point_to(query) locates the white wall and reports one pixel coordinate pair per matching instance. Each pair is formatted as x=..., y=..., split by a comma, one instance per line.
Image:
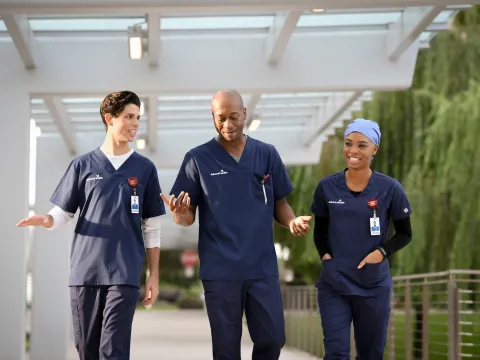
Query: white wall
x=51, y=314
x=15, y=125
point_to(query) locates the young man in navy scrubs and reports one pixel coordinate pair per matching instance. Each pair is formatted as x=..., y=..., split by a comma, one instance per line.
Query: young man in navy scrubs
x=239, y=185
x=352, y=210
x=117, y=193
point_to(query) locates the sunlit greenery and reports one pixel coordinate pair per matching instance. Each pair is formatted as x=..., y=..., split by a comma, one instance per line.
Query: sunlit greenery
x=429, y=144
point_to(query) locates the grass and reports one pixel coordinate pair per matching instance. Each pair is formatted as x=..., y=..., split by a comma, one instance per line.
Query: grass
x=305, y=333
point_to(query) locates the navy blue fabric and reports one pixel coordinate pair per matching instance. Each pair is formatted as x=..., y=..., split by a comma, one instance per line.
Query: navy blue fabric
x=108, y=247
x=235, y=224
x=349, y=235
x=102, y=320
x=370, y=317
x=261, y=299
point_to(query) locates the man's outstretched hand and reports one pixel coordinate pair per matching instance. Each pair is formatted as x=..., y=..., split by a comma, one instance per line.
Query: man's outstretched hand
x=299, y=226
x=37, y=220
x=179, y=206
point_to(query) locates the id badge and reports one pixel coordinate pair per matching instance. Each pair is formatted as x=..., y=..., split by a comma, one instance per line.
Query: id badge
x=374, y=226
x=134, y=205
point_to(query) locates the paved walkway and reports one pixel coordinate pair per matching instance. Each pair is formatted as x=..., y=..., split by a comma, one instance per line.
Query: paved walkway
x=181, y=335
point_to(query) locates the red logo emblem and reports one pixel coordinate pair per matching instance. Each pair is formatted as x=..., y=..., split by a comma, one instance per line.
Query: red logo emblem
x=372, y=204
x=133, y=181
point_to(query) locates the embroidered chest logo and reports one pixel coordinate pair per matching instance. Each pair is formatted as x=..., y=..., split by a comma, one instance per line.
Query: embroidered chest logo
x=340, y=201
x=221, y=172
x=96, y=177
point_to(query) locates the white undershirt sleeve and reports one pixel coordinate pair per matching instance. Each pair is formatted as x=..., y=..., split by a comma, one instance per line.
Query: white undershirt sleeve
x=151, y=232
x=60, y=217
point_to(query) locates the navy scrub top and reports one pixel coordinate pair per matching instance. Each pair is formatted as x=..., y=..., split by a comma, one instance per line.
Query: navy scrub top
x=108, y=247
x=349, y=238
x=235, y=221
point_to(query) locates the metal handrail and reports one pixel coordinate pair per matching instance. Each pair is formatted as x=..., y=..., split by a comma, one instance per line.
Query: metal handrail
x=434, y=316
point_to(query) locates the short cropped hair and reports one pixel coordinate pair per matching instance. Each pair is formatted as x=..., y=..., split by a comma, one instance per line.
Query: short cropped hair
x=114, y=103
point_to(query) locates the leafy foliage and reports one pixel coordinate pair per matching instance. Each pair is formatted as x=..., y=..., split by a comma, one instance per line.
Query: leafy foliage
x=429, y=135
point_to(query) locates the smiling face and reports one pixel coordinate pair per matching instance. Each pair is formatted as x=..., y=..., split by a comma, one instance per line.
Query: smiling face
x=358, y=150
x=124, y=127
x=120, y=113
x=229, y=115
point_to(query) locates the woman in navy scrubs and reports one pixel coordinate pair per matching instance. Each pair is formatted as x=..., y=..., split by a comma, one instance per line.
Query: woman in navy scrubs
x=352, y=210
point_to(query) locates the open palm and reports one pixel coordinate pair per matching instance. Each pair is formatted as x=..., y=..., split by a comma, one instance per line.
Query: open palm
x=36, y=220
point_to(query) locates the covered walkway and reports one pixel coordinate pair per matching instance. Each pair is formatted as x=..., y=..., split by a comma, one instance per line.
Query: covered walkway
x=180, y=335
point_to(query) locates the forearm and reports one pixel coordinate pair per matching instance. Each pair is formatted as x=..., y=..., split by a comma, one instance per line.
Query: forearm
x=59, y=218
x=283, y=213
x=396, y=243
x=186, y=219
x=401, y=238
x=320, y=236
x=153, y=258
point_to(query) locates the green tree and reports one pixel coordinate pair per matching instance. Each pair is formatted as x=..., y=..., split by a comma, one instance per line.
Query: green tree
x=428, y=144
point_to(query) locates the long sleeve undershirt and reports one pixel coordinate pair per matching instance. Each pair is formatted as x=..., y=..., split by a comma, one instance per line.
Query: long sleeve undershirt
x=150, y=227
x=401, y=238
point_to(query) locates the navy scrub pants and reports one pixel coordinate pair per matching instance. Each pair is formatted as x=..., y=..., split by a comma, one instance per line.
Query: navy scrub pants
x=102, y=321
x=261, y=300
x=370, y=321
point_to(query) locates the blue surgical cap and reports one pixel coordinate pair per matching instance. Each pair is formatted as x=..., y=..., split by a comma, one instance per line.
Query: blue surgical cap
x=368, y=128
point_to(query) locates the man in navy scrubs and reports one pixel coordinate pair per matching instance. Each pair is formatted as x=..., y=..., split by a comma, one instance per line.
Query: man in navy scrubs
x=352, y=210
x=239, y=186
x=116, y=192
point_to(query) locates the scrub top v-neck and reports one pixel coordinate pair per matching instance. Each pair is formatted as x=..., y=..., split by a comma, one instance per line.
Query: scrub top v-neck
x=349, y=235
x=108, y=246
x=235, y=207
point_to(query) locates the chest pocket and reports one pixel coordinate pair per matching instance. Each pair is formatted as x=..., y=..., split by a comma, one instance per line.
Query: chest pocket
x=262, y=192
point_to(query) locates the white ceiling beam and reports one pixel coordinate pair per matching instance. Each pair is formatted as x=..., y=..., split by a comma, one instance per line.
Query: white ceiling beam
x=152, y=123
x=406, y=31
x=170, y=152
x=62, y=122
x=187, y=107
x=23, y=38
x=180, y=129
x=330, y=112
x=141, y=7
x=153, y=35
x=279, y=34
x=251, y=106
x=319, y=68
x=169, y=122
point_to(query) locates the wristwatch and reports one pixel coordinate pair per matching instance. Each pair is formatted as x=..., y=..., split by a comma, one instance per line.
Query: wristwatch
x=382, y=250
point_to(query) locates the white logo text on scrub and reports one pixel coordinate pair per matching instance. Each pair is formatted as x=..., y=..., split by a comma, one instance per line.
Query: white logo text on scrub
x=221, y=172
x=98, y=177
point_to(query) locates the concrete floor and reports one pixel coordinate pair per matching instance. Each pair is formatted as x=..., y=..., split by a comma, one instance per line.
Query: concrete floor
x=180, y=335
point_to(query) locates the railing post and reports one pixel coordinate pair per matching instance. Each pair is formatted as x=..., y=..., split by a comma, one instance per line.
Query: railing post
x=408, y=321
x=425, y=322
x=312, y=315
x=298, y=325
x=453, y=320
x=391, y=329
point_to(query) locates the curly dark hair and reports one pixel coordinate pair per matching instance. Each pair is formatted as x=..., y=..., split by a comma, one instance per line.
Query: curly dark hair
x=115, y=103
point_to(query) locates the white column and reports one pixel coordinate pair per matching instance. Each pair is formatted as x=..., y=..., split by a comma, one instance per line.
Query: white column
x=15, y=125
x=51, y=314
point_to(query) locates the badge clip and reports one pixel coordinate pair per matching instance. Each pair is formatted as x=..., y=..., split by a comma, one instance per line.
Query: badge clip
x=134, y=205
x=374, y=221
